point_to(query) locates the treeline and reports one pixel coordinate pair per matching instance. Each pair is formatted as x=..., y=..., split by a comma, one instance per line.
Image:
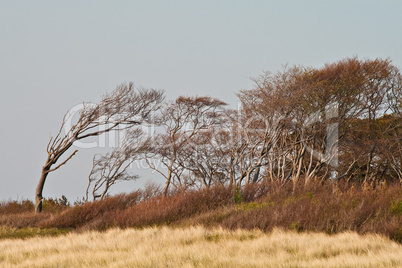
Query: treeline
x=341, y=122
x=338, y=122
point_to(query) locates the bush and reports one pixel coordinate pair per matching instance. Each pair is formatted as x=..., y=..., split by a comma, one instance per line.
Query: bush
x=321, y=206
x=14, y=207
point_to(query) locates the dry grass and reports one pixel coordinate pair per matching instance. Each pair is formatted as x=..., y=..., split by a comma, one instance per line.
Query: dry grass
x=200, y=247
x=15, y=233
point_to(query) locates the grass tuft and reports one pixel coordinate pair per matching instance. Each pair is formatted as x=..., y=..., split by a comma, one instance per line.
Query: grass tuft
x=24, y=233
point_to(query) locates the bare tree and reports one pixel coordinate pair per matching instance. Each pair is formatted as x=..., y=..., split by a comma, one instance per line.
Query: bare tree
x=182, y=120
x=361, y=139
x=123, y=108
x=205, y=159
x=111, y=168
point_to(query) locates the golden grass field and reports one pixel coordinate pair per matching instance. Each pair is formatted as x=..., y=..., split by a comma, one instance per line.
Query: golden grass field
x=200, y=247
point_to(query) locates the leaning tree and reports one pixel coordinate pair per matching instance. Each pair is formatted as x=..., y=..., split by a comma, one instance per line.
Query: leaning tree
x=181, y=121
x=121, y=109
x=113, y=167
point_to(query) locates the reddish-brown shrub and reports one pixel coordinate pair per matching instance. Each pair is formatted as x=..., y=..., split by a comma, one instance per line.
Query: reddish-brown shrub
x=81, y=215
x=14, y=207
x=320, y=206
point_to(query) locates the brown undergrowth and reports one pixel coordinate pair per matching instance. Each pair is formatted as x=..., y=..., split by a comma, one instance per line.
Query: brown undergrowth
x=320, y=207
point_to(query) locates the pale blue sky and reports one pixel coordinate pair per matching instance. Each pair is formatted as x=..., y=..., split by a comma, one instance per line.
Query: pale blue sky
x=56, y=54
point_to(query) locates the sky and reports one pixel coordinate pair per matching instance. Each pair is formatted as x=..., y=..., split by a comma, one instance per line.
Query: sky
x=56, y=54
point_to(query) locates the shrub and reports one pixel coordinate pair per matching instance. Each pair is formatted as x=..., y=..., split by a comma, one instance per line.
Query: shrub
x=321, y=206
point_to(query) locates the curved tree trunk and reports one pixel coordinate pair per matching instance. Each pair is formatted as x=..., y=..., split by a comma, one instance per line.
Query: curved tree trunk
x=167, y=183
x=121, y=107
x=39, y=190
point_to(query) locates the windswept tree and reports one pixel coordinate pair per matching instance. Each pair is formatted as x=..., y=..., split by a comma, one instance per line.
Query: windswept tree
x=204, y=159
x=270, y=116
x=182, y=120
x=339, y=121
x=114, y=166
x=366, y=94
x=121, y=109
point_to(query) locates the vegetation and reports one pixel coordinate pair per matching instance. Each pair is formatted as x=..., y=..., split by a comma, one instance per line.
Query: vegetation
x=124, y=108
x=200, y=247
x=341, y=122
x=23, y=233
x=320, y=207
x=310, y=150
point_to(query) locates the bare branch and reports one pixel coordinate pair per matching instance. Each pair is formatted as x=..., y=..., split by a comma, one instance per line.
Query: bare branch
x=65, y=161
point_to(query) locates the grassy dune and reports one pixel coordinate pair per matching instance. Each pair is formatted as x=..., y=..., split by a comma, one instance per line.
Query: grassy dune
x=200, y=247
x=327, y=208
x=364, y=223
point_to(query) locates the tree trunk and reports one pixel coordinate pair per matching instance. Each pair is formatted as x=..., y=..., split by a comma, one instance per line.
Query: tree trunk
x=232, y=178
x=169, y=178
x=256, y=174
x=39, y=190
x=166, y=189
